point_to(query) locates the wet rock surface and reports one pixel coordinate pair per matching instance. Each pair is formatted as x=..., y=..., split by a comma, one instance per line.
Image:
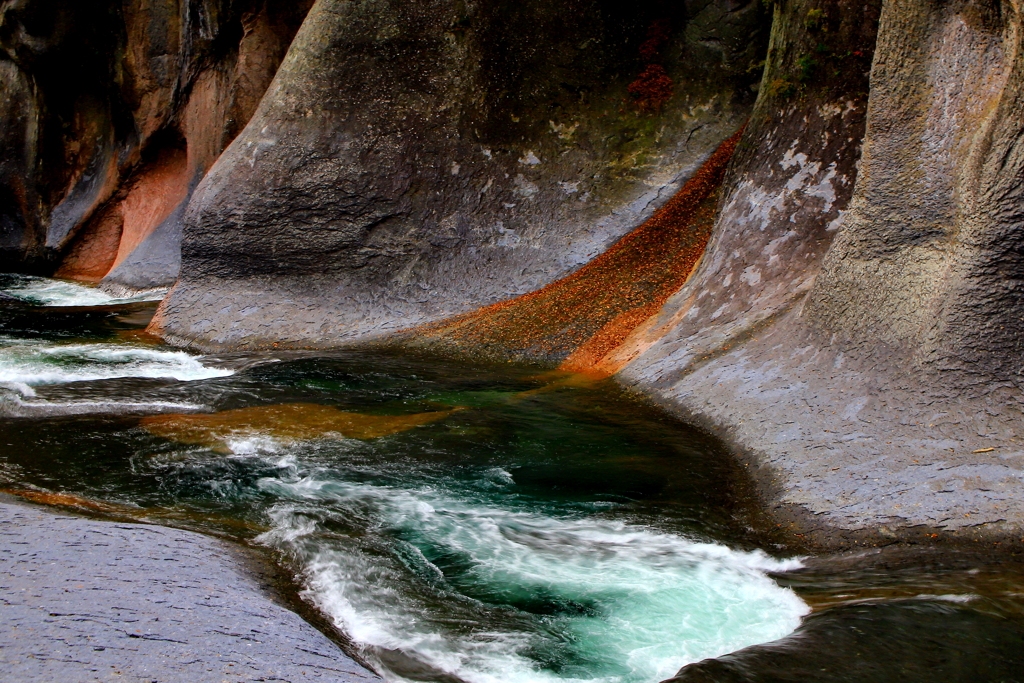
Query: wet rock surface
x=85, y=600
x=856, y=441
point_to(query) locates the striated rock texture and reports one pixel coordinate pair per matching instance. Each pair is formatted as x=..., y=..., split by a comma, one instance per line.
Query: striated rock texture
x=111, y=113
x=87, y=601
x=415, y=161
x=931, y=255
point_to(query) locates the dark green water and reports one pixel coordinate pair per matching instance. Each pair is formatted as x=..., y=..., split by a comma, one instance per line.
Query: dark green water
x=544, y=531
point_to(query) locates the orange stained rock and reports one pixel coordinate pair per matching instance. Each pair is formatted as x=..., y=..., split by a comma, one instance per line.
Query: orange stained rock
x=66, y=500
x=155, y=194
x=94, y=249
x=118, y=229
x=289, y=422
x=140, y=337
x=583, y=317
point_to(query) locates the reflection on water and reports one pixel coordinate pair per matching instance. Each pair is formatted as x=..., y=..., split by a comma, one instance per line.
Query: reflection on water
x=477, y=523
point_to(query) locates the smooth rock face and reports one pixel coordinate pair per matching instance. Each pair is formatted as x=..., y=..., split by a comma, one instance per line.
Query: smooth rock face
x=415, y=161
x=83, y=600
x=879, y=390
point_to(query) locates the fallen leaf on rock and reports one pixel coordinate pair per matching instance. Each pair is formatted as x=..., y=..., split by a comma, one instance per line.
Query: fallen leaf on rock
x=289, y=422
x=983, y=450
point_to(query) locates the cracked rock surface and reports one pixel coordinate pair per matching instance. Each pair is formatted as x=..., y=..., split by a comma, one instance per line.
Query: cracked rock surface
x=85, y=600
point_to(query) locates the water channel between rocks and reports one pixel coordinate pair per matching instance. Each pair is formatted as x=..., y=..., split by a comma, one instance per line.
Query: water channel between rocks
x=474, y=523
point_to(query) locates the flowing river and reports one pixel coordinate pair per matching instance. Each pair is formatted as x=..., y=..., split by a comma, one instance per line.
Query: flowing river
x=472, y=523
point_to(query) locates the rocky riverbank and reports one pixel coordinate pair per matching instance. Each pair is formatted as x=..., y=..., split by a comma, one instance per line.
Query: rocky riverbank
x=87, y=600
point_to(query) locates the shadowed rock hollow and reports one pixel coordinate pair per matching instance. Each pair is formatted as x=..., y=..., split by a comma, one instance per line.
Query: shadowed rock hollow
x=112, y=113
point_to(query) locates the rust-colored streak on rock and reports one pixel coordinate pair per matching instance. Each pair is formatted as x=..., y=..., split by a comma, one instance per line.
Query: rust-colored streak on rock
x=157, y=191
x=287, y=422
x=581, y=318
x=95, y=247
x=66, y=500
x=126, y=221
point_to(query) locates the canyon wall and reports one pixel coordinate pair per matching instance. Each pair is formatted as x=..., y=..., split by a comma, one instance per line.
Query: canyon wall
x=111, y=114
x=797, y=222
x=848, y=321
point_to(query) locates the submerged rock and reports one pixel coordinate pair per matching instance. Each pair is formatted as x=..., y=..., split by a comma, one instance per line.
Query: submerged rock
x=911, y=640
x=287, y=422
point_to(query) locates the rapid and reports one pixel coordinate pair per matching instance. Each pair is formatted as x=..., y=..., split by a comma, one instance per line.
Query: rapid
x=455, y=522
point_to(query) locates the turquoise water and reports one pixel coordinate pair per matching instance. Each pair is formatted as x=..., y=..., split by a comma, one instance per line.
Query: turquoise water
x=542, y=532
x=456, y=522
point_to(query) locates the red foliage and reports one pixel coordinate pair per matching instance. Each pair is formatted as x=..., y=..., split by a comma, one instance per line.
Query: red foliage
x=657, y=35
x=652, y=88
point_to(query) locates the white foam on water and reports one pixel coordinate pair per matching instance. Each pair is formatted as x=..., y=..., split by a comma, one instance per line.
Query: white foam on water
x=35, y=362
x=246, y=444
x=955, y=598
x=14, y=406
x=652, y=602
x=48, y=292
x=19, y=388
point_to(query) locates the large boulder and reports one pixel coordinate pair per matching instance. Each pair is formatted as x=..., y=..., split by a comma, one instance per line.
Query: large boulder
x=415, y=161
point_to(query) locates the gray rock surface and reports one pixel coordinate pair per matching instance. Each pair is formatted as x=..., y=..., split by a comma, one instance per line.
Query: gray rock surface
x=861, y=345
x=412, y=162
x=853, y=438
x=930, y=255
x=153, y=264
x=84, y=600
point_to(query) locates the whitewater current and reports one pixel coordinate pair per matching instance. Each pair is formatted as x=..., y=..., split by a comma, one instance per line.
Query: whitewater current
x=455, y=548
x=48, y=292
x=599, y=599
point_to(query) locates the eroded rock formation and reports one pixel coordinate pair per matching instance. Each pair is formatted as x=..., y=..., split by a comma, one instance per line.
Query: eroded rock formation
x=837, y=290
x=112, y=113
x=415, y=161
x=878, y=387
